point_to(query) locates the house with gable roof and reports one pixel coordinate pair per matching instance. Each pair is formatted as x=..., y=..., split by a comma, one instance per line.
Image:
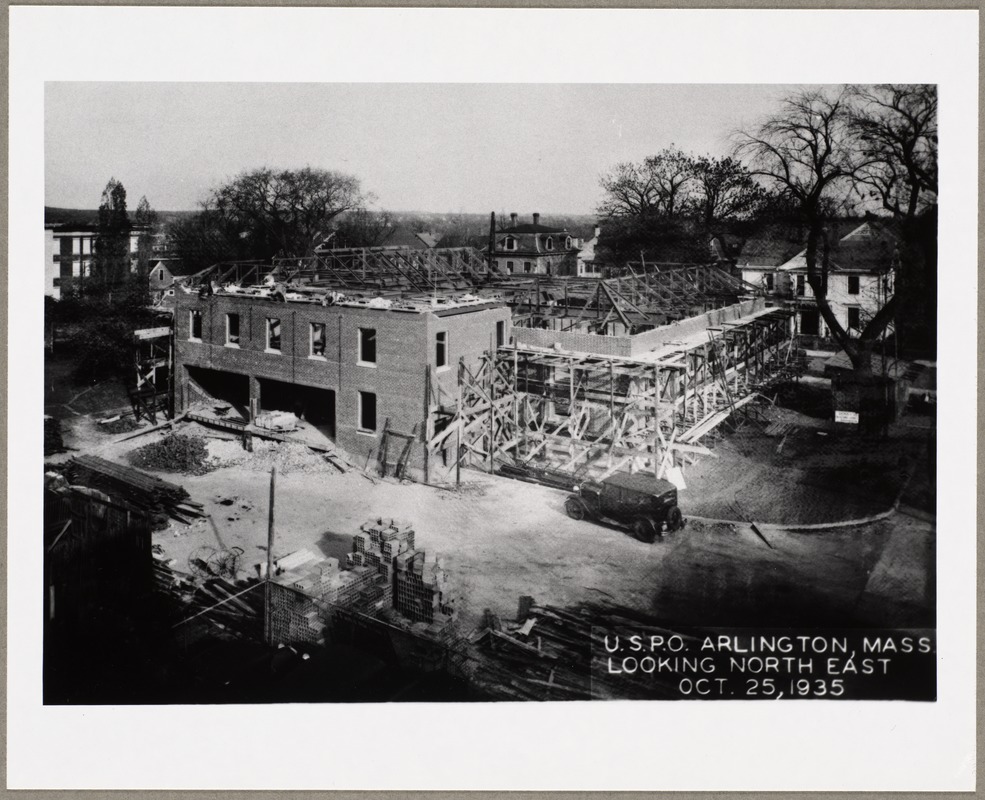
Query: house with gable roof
x=863, y=261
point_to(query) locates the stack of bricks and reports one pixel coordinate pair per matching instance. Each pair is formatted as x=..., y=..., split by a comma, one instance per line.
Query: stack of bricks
x=420, y=588
x=416, y=588
x=305, y=594
x=384, y=573
x=295, y=616
x=375, y=547
x=347, y=587
x=321, y=579
x=379, y=543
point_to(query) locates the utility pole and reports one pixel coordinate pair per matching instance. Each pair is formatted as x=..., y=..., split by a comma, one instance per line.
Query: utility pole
x=268, y=617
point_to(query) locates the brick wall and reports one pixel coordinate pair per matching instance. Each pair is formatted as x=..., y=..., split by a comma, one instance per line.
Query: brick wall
x=651, y=340
x=405, y=347
x=640, y=343
x=578, y=342
x=469, y=335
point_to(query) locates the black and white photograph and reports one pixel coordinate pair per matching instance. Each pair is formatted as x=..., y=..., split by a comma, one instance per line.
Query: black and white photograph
x=309, y=447
x=449, y=394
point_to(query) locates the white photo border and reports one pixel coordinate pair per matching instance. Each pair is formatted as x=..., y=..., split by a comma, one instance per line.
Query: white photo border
x=726, y=745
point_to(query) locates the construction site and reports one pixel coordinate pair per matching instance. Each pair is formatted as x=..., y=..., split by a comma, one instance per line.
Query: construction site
x=425, y=361
x=457, y=407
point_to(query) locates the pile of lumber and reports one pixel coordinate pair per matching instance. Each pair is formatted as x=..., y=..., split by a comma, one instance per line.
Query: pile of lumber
x=216, y=603
x=545, y=476
x=143, y=492
x=780, y=428
x=553, y=653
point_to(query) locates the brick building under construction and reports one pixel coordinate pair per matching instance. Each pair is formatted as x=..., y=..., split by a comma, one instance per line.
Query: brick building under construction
x=358, y=368
x=427, y=360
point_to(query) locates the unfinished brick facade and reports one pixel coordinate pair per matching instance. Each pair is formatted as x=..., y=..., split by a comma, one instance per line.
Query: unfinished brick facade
x=405, y=341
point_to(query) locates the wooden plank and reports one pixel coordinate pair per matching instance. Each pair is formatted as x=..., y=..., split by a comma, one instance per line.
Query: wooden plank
x=151, y=429
x=500, y=636
x=151, y=333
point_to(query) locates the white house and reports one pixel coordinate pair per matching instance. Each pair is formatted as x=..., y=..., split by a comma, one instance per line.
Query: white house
x=862, y=268
x=586, y=256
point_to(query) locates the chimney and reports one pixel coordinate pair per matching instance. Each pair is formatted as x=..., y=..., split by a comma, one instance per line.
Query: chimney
x=598, y=231
x=513, y=219
x=492, y=234
x=536, y=218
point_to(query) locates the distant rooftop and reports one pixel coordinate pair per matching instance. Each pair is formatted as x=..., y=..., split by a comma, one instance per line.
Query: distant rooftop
x=531, y=228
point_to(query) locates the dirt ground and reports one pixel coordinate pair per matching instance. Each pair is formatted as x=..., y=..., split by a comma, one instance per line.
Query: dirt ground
x=816, y=472
x=501, y=539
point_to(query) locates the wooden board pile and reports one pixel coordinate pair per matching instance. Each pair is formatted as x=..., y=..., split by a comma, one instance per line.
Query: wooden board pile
x=217, y=604
x=160, y=499
x=554, y=653
x=544, y=475
x=780, y=428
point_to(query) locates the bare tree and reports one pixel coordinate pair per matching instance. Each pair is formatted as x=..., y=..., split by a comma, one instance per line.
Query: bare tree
x=206, y=238
x=287, y=212
x=896, y=127
x=810, y=153
x=725, y=189
x=630, y=190
x=656, y=187
x=673, y=172
x=363, y=228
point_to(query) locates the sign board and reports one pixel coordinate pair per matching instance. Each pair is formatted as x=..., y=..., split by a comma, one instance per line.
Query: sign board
x=152, y=333
x=851, y=417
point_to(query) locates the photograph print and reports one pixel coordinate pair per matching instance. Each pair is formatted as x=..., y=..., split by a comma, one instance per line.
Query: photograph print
x=489, y=392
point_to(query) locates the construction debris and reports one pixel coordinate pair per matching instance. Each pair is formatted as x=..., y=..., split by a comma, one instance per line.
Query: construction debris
x=176, y=452
x=229, y=607
x=553, y=653
x=119, y=424
x=143, y=492
x=166, y=424
x=288, y=457
x=281, y=421
x=215, y=562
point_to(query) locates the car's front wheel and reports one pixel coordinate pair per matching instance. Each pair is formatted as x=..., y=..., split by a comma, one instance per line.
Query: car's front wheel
x=574, y=508
x=674, y=519
x=645, y=530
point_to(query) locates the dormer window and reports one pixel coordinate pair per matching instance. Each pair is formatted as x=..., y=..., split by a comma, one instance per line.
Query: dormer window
x=567, y=243
x=549, y=244
x=510, y=243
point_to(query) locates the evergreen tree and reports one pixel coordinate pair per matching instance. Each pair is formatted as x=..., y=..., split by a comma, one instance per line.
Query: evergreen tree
x=111, y=264
x=146, y=219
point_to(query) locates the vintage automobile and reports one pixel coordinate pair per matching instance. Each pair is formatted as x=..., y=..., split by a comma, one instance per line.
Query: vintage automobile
x=643, y=503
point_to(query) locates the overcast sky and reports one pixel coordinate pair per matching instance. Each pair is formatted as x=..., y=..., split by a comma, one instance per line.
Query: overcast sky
x=426, y=147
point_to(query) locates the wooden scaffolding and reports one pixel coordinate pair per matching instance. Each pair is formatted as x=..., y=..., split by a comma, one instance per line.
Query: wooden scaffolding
x=153, y=358
x=577, y=415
